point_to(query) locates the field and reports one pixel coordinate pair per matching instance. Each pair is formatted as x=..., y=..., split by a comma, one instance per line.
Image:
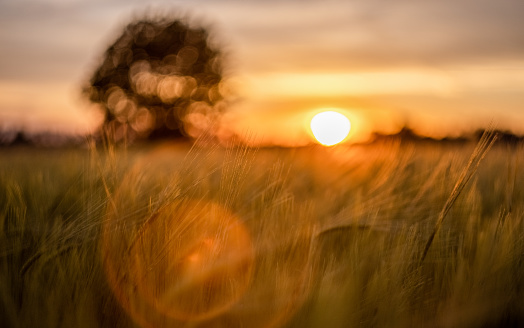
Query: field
x=173, y=236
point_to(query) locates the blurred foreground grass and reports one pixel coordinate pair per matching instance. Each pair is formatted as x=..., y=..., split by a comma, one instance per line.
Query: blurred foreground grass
x=166, y=236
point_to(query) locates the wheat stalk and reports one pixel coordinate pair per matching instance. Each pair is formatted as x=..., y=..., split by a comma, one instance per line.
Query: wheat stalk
x=484, y=145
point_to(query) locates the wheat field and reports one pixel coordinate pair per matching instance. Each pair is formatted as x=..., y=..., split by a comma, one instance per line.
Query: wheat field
x=390, y=234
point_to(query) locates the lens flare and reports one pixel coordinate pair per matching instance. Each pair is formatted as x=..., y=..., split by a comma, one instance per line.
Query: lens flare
x=330, y=128
x=190, y=261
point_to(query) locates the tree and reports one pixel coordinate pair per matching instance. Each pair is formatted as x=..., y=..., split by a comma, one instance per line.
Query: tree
x=159, y=79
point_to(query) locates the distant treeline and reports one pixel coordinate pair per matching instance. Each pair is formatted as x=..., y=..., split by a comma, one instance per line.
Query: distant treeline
x=408, y=134
x=47, y=139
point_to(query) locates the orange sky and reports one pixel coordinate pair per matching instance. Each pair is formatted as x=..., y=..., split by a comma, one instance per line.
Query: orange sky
x=443, y=67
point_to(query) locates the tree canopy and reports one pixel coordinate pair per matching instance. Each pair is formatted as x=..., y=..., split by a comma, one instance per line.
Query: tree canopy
x=159, y=79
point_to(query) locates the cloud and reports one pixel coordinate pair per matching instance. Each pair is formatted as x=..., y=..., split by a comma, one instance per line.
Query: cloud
x=359, y=35
x=277, y=36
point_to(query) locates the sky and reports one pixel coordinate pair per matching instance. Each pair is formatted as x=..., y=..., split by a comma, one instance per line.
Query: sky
x=442, y=67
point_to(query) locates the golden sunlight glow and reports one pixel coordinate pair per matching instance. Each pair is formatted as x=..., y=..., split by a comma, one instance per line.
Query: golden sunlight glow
x=330, y=128
x=390, y=82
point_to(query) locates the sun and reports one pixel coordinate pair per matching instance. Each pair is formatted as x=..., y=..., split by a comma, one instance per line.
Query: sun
x=330, y=127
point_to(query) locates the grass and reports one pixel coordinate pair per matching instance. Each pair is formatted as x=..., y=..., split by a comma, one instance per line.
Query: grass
x=384, y=235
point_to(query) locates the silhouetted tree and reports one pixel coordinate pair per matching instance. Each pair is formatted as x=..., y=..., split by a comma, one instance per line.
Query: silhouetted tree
x=159, y=79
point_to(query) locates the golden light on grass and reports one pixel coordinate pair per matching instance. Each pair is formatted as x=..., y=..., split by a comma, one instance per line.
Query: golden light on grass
x=174, y=257
x=330, y=127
